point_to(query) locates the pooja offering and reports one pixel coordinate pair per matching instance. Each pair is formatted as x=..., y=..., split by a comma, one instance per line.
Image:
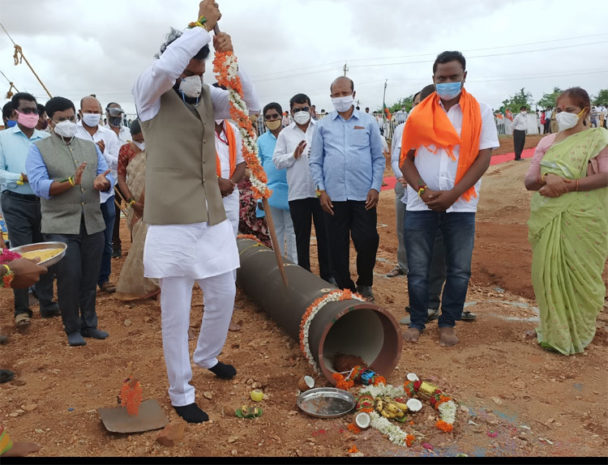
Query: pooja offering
x=326, y=402
x=49, y=253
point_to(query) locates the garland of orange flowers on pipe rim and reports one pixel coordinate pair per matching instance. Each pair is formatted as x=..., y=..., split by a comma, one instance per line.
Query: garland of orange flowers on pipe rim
x=225, y=65
x=311, y=312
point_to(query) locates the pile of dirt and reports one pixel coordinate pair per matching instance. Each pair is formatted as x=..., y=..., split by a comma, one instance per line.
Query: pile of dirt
x=515, y=398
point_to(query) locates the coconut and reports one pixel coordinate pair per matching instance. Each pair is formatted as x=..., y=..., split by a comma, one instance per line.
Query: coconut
x=412, y=377
x=363, y=420
x=305, y=383
x=414, y=405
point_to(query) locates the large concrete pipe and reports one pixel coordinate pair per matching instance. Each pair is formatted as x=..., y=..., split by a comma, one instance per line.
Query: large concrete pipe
x=349, y=327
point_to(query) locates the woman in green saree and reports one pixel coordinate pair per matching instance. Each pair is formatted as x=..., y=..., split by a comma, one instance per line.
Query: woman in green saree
x=568, y=226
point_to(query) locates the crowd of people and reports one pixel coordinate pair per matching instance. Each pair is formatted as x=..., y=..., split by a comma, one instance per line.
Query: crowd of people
x=180, y=174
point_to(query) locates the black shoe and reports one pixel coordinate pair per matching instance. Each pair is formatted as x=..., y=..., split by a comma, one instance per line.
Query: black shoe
x=50, y=311
x=6, y=376
x=116, y=253
x=224, y=371
x=192, y=413
x=94, y=333
x=76, y=339
x=366, y=293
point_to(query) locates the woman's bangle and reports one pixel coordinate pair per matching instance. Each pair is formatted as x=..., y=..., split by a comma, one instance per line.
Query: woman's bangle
x=576, y=188
x=71, y=181
x=8, y=277
x=132, y=202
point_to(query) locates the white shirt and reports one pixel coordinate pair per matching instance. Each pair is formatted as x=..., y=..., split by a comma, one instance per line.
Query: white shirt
x=520, y=122
x=110, y=152
x=161, y=75
x=396, y=154
x=400, y=116
x=194, y=250
x=438, y=170
x=124, y=135
x=299, y=181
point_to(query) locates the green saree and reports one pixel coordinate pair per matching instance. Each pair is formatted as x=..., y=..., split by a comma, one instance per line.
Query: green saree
x=569, y=238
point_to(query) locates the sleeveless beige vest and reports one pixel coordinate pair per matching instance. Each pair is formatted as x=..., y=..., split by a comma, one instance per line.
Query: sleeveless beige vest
x=181, y=179
x=63, y=213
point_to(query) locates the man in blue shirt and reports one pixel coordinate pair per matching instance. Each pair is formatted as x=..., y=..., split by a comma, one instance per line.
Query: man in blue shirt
x=20, y=206
x=347, y=166
x=68, y=174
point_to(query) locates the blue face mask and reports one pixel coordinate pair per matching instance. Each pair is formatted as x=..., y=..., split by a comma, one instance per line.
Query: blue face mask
x=11, y=123
x=449, y=90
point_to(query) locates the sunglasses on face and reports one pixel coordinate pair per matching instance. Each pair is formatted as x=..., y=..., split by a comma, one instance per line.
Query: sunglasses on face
x=28, y=111
x=271, y=116
x=114, y=111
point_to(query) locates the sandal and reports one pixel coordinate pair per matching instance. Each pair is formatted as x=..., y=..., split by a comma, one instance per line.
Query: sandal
x=22, y=321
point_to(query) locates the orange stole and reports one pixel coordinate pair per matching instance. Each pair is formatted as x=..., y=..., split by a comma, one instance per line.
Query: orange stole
x=429, y=126
x=231, y=147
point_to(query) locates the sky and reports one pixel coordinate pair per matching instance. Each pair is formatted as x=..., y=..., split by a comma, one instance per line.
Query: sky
x=80, y=47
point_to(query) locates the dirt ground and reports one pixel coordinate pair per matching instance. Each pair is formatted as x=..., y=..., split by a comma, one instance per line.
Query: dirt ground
x=515, y=398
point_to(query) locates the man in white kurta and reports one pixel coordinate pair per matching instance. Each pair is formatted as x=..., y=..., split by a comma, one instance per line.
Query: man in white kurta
x=181, y=254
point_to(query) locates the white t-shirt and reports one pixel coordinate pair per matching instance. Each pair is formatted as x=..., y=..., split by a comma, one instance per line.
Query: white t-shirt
x=438, y=170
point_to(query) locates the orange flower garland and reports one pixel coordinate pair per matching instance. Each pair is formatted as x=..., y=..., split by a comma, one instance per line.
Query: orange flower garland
x=409, y=440
x=225, y=66
x=341, y=382
x=312, y=310
x=353, y=450
x=444, y=426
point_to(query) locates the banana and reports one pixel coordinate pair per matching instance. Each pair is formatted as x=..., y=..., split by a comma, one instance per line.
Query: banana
x=379, y=405
x=402, y=406
x=393, y=408
x=387, y=414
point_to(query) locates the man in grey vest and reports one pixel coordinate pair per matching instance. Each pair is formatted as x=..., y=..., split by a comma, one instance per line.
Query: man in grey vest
x=68, y=174
x=189, y=238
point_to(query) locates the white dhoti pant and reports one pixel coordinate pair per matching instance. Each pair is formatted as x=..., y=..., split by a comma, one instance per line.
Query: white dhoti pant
x=179, y=255
x=232, y=206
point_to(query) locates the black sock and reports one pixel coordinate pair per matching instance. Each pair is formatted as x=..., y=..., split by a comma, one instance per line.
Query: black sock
x=223, y=371
x=191, y=413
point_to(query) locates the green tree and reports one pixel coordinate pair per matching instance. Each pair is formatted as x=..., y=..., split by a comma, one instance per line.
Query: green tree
x=602, y=98
x=407, y=102
x=515, y=102
x=548, y=100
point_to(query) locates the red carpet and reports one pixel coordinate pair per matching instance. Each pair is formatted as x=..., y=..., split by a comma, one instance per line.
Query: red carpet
x=389, y=182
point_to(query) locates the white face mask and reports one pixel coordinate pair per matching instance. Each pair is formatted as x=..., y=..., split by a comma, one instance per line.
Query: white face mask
x=342, y=104
x=140, y=145
x=66, y=129
x=91, y=119
x=301, y=117
x=566, y=120
x=219, y=121
x=191, y=86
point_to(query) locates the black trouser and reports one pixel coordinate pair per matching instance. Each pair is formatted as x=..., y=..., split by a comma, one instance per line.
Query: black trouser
x=350, y=218
x=301, y=212
x=116, y=244
x=22, y=217
x=519, y=140
x=77, y=275
x=547, y=126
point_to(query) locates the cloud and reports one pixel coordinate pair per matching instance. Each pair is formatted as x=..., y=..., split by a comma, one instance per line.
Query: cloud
x=79, y=47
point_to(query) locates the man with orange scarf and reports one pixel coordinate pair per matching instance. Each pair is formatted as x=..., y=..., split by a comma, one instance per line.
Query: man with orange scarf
x=446, y=147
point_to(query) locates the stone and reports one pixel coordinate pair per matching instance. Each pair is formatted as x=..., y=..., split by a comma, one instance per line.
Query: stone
x=29, y=407
x=208, y=395
x=249, y=381
x=232, y=439
x=172, y=434
x=234, y=452
x=256, y=385
x=128, y=323
x=39, y=431
x=496, y=400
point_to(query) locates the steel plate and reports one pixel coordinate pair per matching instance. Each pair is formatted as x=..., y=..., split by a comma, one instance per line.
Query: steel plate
x=41, y=246
x=326, y=402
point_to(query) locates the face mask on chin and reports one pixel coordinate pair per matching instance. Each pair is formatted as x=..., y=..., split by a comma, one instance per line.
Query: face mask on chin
x=273, y=125
x=343, y=104
x=191, y=86
x=301, y=117
x=567, y=120
x=448, y=90
x=115, y=121
x=65, y=129
x=91, y=119
x=140, y=145
x=29, y=121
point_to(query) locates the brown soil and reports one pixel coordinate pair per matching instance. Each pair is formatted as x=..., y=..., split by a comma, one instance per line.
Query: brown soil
x=516, y=399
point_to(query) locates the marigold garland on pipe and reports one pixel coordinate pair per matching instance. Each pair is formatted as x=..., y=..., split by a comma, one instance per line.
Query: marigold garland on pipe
x=309, y=315
x=225, y=65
